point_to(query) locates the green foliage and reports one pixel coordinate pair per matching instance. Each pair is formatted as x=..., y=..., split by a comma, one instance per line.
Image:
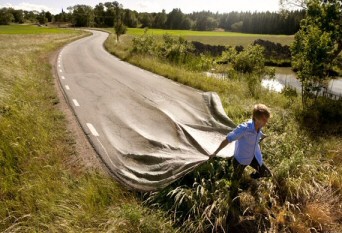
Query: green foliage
x=316, y=45
x=145, y=45
x=323, y=117
x=82, y=15
x=6, y=17
x=120, y=29
x=175, y=50
x=250, y=60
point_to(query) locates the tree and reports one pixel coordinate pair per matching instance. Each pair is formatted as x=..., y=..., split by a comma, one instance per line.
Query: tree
x=48, y=16
x=290, y=4
x=175, y=19
x=317, y=44
x=112, y=13
x=120, y=29
x=6, y=17
x=130, y=18
x=41, y=18
x=145, y=19
x=119, y=25
x=205, y=23
x=18, y=15
x=99, y=15
x=83, y=15
x=160, y=20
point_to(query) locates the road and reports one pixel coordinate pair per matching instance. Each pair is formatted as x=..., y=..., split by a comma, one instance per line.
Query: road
x=148, y=130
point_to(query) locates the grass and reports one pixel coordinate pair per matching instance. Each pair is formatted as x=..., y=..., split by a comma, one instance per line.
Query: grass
x=213, y=37
x=305, y=192
x=40, y=191
x=30, y=29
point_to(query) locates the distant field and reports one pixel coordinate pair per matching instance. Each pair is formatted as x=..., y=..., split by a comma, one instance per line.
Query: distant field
x=30, y=29
x=215, y=38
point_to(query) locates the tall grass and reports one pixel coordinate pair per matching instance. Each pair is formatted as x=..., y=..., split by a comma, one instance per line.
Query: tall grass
x=39, y=190
x=304, y=194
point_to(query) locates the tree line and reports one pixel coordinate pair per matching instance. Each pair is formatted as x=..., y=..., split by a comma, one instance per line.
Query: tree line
x=10, y=15
x=109, y=13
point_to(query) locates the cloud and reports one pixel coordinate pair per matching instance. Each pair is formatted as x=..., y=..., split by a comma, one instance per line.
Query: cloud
x=145, y=6
x=30, y=7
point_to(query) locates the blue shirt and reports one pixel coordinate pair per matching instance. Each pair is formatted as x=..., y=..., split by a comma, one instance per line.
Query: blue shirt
x=247, y=145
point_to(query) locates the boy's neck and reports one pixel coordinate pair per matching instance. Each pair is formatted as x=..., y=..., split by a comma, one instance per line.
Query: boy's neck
x=257, y=126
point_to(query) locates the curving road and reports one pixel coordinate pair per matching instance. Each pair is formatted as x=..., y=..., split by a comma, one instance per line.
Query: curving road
x=148, y=130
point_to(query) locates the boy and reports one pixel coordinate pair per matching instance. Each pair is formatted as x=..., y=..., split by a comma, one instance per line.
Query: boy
x=247, y=149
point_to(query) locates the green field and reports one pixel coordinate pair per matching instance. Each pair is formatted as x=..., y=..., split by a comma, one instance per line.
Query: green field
x=215, y=37
x=45, y=184
x=30, y=29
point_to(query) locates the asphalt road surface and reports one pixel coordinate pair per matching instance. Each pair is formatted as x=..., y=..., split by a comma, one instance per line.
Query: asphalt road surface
x=148, y=130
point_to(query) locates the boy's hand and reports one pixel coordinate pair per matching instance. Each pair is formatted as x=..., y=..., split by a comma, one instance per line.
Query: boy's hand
x=212, y=156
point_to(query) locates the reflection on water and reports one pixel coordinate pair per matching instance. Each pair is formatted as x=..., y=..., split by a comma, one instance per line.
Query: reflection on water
x=281, y=81
x=272, y=84
x=285, y=77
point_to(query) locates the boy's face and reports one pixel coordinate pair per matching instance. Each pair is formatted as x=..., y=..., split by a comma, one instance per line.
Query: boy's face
x=262, y=121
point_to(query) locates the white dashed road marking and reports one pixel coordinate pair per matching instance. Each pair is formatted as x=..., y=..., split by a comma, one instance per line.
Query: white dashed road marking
x=92, y=130
x=67, y=87
x=75, y=102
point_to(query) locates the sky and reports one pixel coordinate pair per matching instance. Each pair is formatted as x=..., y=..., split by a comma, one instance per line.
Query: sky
x=186, y=6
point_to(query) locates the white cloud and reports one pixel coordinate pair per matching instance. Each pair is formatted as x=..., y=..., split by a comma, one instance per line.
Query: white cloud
x=143, y=6
x=31, y=7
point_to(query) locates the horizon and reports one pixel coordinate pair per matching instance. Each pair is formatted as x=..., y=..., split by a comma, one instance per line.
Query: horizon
x=151, y=6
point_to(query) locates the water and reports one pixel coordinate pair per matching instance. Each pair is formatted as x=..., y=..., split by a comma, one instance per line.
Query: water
x=272, y=84
x=285, y=77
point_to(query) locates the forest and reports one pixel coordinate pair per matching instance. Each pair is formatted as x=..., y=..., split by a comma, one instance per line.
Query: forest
x=109, y=14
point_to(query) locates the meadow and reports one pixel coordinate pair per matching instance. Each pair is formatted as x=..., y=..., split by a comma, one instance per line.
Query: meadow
x=44, y=185
x=304, y=194
x=30, y=29
x=214, y=37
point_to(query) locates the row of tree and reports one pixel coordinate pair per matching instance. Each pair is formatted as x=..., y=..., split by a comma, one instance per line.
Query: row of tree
x=10, y=15
x=104, y=15
x=108, y=14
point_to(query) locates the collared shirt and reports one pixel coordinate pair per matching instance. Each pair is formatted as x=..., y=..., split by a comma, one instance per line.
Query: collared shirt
x=247, y=145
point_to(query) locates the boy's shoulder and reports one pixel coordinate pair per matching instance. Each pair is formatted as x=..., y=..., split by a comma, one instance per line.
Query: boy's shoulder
x=247, y=124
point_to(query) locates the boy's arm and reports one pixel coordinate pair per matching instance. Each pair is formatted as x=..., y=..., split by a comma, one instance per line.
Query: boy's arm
x=223, y=144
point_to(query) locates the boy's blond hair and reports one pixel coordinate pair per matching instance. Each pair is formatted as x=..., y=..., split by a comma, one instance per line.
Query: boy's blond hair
x=261, y=110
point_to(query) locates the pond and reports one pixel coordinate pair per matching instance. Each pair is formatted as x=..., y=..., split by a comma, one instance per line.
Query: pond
x=285, y=77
